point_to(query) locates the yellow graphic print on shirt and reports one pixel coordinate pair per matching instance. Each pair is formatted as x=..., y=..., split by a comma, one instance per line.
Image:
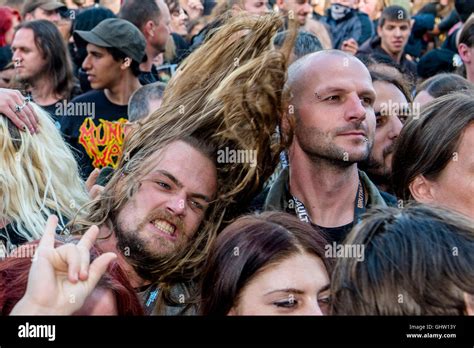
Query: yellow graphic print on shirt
x=102, y=142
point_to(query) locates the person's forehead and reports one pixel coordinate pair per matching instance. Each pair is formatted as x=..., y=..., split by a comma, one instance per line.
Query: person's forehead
x=91, y=47
x=395, y=23
x=25, y=34
x=333, y=71
x=164, y=10
x=303, y=271
x=179, y=158
x=388, y=91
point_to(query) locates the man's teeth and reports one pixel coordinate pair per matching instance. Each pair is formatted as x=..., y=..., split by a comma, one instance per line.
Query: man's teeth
x=164, y=226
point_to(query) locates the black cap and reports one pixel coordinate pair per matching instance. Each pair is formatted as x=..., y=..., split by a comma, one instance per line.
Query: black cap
x=117, y=33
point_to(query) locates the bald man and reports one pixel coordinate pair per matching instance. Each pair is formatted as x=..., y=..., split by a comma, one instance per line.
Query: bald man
x=332, y=107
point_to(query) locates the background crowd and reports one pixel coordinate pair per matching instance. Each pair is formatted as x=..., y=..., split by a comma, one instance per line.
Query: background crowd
x=237, y=157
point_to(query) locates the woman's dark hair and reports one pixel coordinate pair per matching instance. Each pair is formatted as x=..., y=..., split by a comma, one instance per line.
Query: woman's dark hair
x=14, y=272
x=119, y=56
x=445, y=83
x=418, y=261
x=248, y=246
x=427, y=144
x=51, y=44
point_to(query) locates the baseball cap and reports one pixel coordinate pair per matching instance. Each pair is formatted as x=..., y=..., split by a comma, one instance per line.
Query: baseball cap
x=117, y=33
x=47, y=5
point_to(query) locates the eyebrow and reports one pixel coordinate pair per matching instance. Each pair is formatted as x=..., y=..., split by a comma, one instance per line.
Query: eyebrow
x=287, y=290
x=324, y=288
x=180, y=185
x=328, y=90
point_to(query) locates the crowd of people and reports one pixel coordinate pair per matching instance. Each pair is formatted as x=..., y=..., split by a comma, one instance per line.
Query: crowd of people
x=236, y=157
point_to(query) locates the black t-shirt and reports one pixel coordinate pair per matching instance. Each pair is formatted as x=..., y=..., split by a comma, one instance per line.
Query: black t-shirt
x=93, y=126
x=51, y=109
x=335, y=234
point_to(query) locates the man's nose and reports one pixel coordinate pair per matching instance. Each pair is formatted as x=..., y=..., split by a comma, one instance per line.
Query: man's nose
x=177, y=204
x=354, y=107
x=396, y=127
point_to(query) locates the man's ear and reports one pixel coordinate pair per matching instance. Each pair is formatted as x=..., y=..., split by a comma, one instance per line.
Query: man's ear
x=281, y=4
x=149, y=29
x=464, y=53
x=287, y=124
x=126, y=63
x=236, y=9
x=421, y=189
x=379, y=30
x=28, y=17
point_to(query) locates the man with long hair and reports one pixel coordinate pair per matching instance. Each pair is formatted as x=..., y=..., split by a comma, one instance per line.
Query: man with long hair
x=43, y=67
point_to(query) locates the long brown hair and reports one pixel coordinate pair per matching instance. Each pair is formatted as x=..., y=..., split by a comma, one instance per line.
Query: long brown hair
x=417, y=261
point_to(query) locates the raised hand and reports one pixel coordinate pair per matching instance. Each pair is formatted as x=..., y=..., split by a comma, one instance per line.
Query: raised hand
x=61, y=278
x=20, y=112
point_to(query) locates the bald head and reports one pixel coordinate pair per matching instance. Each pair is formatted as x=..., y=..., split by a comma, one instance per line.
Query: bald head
x=332, y=106
x=317, y=65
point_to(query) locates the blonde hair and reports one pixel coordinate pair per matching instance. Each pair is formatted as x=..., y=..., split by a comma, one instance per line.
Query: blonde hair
x=38, y=177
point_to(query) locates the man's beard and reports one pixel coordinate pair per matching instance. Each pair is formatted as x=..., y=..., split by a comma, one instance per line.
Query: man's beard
x=27, y=81
x=378, y=172
x=136, y=250
x=311, y=141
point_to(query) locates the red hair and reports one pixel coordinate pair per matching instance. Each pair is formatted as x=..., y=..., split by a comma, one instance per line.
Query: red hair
x=14, y=272
x=6, y=21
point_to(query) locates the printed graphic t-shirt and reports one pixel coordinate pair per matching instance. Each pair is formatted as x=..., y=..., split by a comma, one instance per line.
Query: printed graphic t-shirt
x=93, y=126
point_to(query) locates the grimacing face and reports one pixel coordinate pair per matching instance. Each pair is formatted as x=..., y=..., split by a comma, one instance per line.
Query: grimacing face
x=334, y=112
x=298, y=285
x=171, y=201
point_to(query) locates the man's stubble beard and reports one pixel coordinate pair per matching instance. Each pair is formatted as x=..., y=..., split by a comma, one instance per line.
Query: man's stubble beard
x=378, y=172
x=309, y=140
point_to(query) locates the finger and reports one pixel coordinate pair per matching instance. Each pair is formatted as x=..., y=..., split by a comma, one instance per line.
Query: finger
x=96, y=191
x=30, y=120
x=88, y=239
x=15, y=119
x=22, y=116
x=30, y=115
x=98, y=268
x=47, y=241
x=85, y=260
x=72, y=257
x=13, y=102
x=92, y=179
